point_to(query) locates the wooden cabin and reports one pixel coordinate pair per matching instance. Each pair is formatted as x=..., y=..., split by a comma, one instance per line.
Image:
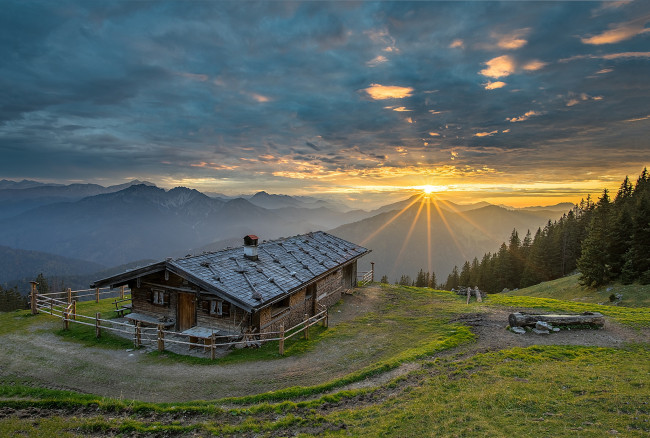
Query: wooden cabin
x=252, y=289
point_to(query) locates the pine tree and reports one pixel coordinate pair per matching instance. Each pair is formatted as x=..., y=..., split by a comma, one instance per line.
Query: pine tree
x=514, y=265
x=432, y=281
x=463, y=279
x=452, y=279
x=474, y=273
x=594, y=262
x=42, y=285
x=421, y=280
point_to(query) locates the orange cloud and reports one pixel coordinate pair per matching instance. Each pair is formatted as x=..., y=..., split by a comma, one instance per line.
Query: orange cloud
x=639, y=119
x=534, y=65
x=499, y=67
x=494, y=85
x=381, y=92
x=434, y=134
x=259, y=98
x=376, y=61
x=455, y=44
x=621, y=32
x=401, y=109
x=525, y=117
x=486, y=134
x=214, y=166
x=514, y=40
x=626, y=55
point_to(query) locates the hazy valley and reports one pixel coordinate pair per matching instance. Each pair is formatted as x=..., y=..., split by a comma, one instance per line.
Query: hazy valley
x=73, y=233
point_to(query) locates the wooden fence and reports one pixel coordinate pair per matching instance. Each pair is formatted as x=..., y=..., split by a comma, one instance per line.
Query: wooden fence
x=364, y=278
x=66, y=309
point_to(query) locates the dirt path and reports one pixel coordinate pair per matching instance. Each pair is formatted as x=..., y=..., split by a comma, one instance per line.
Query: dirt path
x=51, y=362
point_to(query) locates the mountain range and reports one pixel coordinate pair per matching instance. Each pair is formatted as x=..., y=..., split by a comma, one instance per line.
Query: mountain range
x=400, y=239
x=119, y=224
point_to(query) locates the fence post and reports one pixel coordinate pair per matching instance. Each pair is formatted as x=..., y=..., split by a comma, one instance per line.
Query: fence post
x=69, y=295
x=74, y=310
x=213, y=347
x=326, y=321
x=469, y=294
x=161, y=338
x=51, y=306
x=372, y=272
x=121, y=292
x=282, y=339
x=306, y=326
x=138, y=338
x=97, y=295
x=34, y=295
x=66, y=321
x=98, y=325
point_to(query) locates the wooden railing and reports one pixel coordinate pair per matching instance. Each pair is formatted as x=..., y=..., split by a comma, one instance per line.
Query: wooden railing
x=66, y=309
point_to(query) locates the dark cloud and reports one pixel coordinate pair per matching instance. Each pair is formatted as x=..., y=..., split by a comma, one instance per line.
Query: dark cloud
x=171, y=85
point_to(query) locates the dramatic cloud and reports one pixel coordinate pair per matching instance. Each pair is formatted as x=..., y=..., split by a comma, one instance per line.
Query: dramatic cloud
x=489, y=85
x=524, y=117
x=292, y=96
x=486, y=134
x=381, y=92
x=619, y=32
x=499, y=67
x=534, y=65
x=514, y=40
x=456, y=44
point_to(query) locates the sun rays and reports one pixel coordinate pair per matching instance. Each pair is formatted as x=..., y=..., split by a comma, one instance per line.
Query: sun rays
x=427, y=199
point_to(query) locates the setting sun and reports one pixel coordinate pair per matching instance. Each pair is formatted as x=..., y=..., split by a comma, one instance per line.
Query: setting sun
x=429, y=189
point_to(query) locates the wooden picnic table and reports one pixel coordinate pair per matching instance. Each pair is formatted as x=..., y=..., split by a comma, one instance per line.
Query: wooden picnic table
x=204, y=334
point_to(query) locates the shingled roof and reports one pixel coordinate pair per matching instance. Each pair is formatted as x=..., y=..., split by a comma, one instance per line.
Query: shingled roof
x=283, y=267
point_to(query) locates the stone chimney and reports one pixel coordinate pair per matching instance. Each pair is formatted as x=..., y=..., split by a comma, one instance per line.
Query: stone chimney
x=250, y=247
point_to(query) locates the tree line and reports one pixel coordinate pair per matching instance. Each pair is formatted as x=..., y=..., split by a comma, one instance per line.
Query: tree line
x=11, y=299
x=607, y=240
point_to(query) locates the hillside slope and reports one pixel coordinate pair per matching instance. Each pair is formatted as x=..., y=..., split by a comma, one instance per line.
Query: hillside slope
x=19, y=266
x=569, y=288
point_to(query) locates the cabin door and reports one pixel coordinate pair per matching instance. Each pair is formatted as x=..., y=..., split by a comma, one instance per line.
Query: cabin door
x=186, y=311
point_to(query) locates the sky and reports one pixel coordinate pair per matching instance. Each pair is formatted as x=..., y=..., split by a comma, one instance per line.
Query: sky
x=518, y=103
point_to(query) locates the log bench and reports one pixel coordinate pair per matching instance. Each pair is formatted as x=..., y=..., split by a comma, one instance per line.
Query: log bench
x=527, y=319
x=122, y=306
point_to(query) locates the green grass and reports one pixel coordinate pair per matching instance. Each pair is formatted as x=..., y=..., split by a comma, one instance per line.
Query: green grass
x=569, y=289
x=632, y=316
x=559, y=391
x=16, y=321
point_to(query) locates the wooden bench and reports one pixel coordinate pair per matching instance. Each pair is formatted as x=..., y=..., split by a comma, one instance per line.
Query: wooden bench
x=120, y=308
x=150, y=321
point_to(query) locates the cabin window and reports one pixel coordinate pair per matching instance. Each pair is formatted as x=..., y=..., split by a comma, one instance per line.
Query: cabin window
x=216, y=307
x=159, y=297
